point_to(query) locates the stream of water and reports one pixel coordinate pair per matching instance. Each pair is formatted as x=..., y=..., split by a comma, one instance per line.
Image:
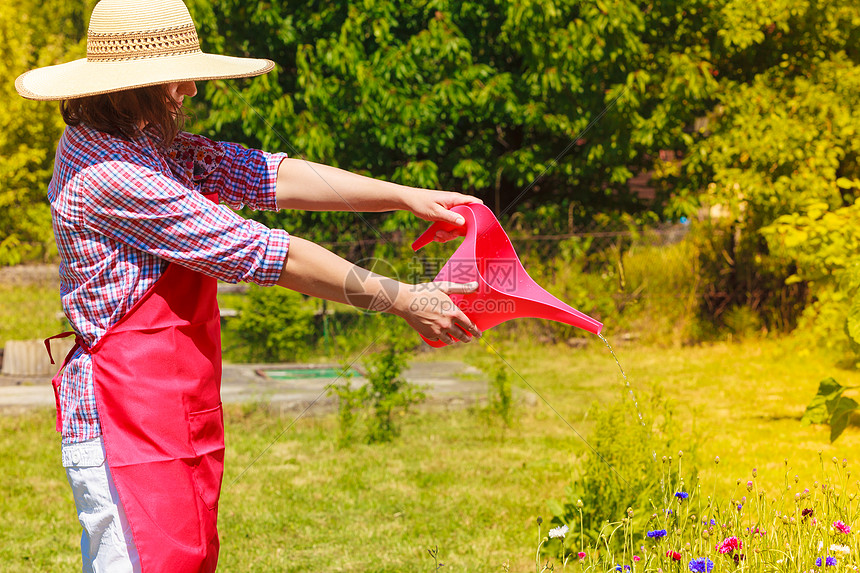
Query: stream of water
x=628, y=387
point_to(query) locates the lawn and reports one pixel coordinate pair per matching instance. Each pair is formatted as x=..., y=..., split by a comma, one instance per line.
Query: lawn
x=457, y=480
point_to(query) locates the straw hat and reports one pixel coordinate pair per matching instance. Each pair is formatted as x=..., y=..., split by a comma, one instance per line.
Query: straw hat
x=135, y=43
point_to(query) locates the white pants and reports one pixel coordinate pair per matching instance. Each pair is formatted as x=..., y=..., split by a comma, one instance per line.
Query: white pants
x=106, y=541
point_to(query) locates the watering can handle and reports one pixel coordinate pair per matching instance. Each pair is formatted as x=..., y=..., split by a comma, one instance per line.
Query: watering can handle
x=429, y=235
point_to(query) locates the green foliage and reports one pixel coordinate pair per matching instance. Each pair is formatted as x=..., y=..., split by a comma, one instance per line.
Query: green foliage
x=386, y=395
x=783, y=531
x=489, y=97
x=829, y=406
x=736, y=271
x=274, y=325
x=661, y=286
x=619, y=471
x=33, y=33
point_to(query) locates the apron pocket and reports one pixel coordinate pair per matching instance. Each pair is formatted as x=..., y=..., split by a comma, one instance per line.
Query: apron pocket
x=207, y=438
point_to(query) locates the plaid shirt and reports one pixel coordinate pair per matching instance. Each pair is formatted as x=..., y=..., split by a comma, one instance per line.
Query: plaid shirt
x=122, y=210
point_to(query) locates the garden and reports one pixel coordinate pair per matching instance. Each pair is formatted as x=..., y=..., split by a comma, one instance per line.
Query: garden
x=685, y=172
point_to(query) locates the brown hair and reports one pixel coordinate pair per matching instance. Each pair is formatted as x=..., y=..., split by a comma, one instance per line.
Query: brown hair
x=122, y=113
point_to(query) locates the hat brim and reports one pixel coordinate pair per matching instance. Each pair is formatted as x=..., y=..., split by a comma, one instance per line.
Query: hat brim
x=82, y=78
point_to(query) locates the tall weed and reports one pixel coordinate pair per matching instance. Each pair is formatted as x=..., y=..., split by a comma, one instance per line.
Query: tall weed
x=621, y=470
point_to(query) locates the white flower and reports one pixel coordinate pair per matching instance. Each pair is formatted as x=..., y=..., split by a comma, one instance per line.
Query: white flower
x=559, y=531
x=843, y=549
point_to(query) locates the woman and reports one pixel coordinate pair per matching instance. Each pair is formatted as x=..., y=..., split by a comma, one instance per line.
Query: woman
x=142, y=241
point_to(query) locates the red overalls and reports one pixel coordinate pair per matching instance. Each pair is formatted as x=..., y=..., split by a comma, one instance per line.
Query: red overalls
x=157, y=375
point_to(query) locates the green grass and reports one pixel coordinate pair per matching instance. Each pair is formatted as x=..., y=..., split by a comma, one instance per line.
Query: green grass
x=30, y=311
x=293, y=501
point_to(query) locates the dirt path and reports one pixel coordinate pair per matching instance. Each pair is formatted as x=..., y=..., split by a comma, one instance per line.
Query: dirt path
x=449, y=384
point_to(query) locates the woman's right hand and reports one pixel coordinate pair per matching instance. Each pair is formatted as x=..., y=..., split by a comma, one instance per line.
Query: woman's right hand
x=430, y=311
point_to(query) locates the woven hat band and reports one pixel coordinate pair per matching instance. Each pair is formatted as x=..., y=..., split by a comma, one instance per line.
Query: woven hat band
x=136, y=45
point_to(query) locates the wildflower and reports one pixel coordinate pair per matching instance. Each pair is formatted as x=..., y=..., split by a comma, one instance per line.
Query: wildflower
x=806, y=513
x=674, y=555
x=656, y=534
x=618, y=567
x=828, y=561
x=636, y=558
x=843, y=549
x=749, y=486
x=701, y=565
x=581, y=555
x=841, y=527
x=627, y=567
x=729, y=545
x=559, y=532
x=682, y=494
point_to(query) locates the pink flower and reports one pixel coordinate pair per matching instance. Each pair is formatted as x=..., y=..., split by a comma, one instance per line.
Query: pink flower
x=581, y=554
x=841, y=527
x=637, y=558
x=729, y=545
x=674, y=555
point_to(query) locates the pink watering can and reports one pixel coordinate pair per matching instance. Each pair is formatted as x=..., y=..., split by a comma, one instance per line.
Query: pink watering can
x=505, y=290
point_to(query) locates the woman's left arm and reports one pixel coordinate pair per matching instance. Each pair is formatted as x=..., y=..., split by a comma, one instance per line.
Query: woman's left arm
x=315, y=187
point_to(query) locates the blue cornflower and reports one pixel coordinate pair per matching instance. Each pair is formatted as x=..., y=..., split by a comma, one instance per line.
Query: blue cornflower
x=656, y=534
x=818, y=561
x=618, y=567
x=701, y=565
x=713, y=521
x=682, y=494
x=830, y=561
x=627, y=567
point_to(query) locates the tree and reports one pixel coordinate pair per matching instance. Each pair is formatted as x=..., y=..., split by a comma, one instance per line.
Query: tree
x=32, y=34
x=526, y=103
x=775, y=147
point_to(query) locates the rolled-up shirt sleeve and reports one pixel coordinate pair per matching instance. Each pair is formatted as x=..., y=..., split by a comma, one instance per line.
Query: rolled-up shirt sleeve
x=144, y=209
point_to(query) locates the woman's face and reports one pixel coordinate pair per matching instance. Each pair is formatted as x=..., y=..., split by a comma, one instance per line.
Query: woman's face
x=178, y=90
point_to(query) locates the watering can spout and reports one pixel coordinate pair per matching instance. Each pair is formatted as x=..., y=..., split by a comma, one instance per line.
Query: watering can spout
x=505, y=290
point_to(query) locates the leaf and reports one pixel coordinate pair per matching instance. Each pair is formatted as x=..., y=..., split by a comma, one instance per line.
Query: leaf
x=841, y=414
x=821, y=407
x=845, y=183
x=854, y=319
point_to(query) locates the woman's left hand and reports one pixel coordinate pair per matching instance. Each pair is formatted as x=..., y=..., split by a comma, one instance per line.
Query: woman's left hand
x=436, y=206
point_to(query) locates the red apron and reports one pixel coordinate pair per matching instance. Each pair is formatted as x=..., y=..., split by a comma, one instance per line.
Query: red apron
x=157, y=375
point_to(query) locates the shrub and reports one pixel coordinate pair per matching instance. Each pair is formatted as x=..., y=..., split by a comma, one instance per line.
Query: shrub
x=386, y=393
x=620, y=471
x=274, y=325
